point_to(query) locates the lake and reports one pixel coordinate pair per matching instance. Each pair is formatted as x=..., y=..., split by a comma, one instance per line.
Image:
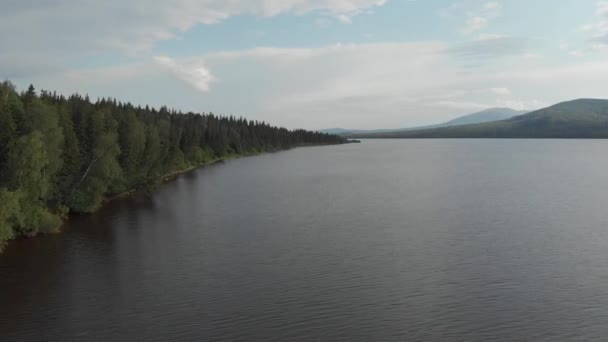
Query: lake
x=388, y=240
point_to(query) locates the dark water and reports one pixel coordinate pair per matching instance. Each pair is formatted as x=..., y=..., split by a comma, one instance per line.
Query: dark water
x=434, y=240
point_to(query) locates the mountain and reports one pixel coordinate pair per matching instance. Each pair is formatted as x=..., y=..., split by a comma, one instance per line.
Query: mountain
x=583, y=118
x=338, y=131
x=488, y=115
x=349, y=132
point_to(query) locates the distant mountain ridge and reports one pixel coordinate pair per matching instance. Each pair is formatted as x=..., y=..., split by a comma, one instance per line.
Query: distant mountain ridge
x=488, y=115
x=583, y=118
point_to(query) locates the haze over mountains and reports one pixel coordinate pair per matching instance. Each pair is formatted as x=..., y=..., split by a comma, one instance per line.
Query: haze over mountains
x=583, y=118
x=488, y=115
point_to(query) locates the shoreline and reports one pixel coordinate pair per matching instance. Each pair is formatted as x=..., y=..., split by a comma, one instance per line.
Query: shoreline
x=171, y=176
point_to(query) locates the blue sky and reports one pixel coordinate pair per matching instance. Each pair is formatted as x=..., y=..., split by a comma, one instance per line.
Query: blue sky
x=313, y=63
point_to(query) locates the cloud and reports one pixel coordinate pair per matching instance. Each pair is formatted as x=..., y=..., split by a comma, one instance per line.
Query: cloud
x=393, y=84
x=475, y=24
x=492, y=6
x=598, y=41
x=72, y=26
x=14, y=65
x=490, y=47
x=476, y=106
x=47, y=39
x=376, y=85
x=193, y=73
x=480, y=19
x=501, y=91
x=577, y=53
x=359, y=85
x=602, y=25
x=602, y=9
x=345, y=19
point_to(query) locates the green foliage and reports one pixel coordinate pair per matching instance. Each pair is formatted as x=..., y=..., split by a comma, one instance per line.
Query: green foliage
x=34, y=218
x=60, y=155
x=11, y=109
x=46, y=121
x=101, y=168
x=132, y=138
x=71, y=156
x=197, y=155
x=26, y=164
x=9, y=215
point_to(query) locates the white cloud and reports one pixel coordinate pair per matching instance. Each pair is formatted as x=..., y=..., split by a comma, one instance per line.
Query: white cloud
x=323, y=23
x=398, y=84
x=354, y=85
x=446, y=12
x=467, y=106
x=48, y=37
x=489, y=49
x=345, y=19
x=491, y=36
x=577, y=53
x=491, y=9
x=193, y=73
x=602, y=9
x=73, y=26
x=501, y=91
x=531, y=56
x=475, y=24
x=359, y=85
x=492, y=6
x=480, y=19
x=598, y=30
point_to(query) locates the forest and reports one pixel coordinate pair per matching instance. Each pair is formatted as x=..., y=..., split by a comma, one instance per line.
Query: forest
x=67, y=155
x=577, y=119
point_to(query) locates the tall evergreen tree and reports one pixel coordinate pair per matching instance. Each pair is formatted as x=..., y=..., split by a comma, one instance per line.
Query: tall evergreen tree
x=61, y=155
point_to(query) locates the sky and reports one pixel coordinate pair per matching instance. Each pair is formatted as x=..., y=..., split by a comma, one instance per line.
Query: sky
x=312, y=64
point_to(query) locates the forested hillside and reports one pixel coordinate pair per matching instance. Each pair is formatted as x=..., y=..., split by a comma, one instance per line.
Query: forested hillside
x=488, y=115
x=63, y=155
x=578, y=119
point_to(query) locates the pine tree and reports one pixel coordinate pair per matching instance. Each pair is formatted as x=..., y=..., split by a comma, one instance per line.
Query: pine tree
x=60, y=155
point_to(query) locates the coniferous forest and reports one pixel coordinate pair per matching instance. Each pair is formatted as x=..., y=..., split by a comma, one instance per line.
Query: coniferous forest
x=62, y=155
